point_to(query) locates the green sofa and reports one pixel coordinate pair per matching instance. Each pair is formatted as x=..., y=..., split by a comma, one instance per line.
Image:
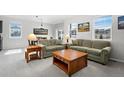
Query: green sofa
x=97, y=50
x=50, y=45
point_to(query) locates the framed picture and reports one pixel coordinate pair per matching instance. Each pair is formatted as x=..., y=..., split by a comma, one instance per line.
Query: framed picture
x=46, y=31
x=40, y=31
x=15, y=30
x=103, y=28
x=84, y=27
x=121, y=22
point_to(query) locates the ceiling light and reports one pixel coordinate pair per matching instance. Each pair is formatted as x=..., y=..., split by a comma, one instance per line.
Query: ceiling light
x=39, y=19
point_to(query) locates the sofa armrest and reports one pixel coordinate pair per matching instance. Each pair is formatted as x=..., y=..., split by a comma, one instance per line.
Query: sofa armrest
x=43, y=46
x=106, y=50
x=105, y=53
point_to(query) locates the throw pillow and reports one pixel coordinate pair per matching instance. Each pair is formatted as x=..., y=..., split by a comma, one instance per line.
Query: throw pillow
x=44, y=42
x=75, y=42
x=58, y=42
x=52, y=42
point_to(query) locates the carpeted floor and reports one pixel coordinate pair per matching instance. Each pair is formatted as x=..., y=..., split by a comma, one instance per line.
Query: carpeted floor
x=12, y=64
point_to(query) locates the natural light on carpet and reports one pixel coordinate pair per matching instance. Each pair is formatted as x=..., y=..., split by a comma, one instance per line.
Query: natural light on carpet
x=13, y=51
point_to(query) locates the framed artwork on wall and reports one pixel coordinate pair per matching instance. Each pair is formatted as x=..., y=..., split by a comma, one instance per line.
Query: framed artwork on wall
x=84, y=27
x=40, y=31
x=15, y=29
x=103, y=28
x=121, y=22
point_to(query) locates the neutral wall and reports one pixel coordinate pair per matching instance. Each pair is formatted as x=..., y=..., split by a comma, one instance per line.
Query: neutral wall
x=117, y=41
x=117, y=35
x=27, y=28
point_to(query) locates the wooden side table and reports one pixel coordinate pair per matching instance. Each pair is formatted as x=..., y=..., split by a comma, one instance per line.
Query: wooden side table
x=33, y=53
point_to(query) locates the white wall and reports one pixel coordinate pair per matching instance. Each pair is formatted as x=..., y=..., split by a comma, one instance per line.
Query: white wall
x=27, y=28
x=117, y=35
x=117, y=41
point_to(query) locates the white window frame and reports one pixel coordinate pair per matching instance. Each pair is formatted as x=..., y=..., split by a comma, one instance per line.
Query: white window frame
x=93, y=32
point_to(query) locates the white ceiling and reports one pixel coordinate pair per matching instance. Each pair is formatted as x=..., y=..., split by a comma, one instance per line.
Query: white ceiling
x=51, y=19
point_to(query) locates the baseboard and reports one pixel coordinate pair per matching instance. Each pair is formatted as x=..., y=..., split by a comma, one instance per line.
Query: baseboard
x=117, y=60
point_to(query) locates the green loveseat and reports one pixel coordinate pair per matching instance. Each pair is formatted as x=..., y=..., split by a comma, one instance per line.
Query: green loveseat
x=50, y=45
x=98, y=51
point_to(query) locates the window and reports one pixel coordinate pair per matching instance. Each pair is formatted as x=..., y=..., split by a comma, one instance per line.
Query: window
x=103, y=28
x=73, y=30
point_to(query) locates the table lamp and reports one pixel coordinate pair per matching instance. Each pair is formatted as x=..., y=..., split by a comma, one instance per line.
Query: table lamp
x=32, y=39
x=67, y=38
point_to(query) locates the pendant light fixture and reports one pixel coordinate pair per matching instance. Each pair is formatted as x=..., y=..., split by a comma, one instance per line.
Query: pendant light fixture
x=38, y=18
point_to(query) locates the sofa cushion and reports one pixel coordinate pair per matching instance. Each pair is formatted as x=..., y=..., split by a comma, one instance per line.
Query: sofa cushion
x=80, y=48
x=75, y=42
x=94, y=51
x=58, y=42
x=44, y=42
x=100, y=44
x=87, y=43
x=52, y=42
x=55, y=47
x=80, y=42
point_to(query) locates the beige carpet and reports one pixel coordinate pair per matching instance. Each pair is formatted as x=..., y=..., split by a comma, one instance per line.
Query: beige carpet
x=12, y=64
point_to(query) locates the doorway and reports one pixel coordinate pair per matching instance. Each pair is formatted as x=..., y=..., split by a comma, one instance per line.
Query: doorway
x=59, y=34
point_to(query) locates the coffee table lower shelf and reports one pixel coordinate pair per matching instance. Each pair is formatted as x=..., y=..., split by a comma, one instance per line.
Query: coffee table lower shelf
x=61, y=65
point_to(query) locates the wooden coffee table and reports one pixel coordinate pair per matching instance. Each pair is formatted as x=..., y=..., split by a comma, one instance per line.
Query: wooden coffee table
x=70, y=61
